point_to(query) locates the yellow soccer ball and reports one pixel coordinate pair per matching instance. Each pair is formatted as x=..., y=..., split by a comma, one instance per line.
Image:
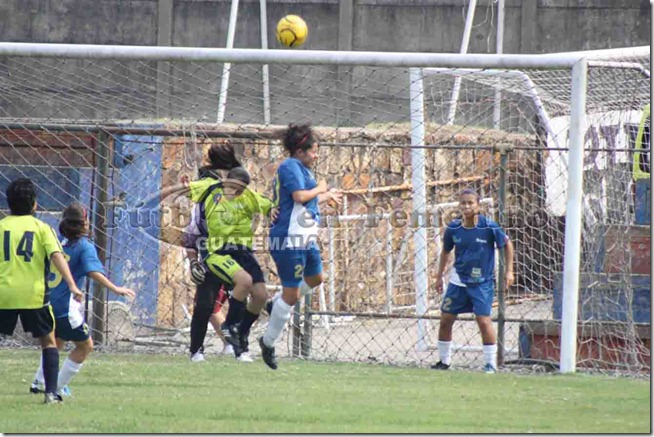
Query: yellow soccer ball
x=292, y=31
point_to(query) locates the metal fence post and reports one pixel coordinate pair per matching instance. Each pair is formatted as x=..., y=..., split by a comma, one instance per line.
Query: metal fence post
x=103, y=146
x=504, y=150
x=308, y=326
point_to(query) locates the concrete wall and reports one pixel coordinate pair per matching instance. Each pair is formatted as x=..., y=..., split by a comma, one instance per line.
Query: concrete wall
x=345, y=97
x=532, y=26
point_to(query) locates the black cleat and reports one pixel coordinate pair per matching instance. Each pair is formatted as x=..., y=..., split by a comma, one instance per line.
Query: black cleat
x=230, y=333
x=34, y=388
x=268, y=354
x=440, y=366
x=52, y=398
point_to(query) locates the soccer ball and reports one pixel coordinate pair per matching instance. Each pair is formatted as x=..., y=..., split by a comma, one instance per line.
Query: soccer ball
x=292, y=31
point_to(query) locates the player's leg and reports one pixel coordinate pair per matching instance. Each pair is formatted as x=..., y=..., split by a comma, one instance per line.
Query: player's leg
x=290, y=268
x=454, y=303
x=482, y=298
x=83, y=348
x=204, y=303
x=41, y=323
x=218, y=318
x=39, y=381
x=255, y=304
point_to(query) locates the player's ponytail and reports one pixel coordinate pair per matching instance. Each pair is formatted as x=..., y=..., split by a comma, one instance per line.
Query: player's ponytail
x=73, y=223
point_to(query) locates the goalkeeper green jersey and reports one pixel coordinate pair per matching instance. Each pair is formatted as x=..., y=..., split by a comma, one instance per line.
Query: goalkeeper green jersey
x=231, y=221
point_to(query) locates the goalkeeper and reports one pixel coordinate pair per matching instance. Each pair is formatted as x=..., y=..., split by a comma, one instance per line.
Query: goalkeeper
x=230, y=211
x=222, y=158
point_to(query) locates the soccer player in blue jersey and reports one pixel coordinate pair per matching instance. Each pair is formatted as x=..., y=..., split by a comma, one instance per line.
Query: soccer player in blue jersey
x=28, y=246
x=472, y=282
x=83, y=260
x=293, y=235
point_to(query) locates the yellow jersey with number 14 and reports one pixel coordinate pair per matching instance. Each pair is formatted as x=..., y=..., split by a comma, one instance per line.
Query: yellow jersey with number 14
x=26, y=244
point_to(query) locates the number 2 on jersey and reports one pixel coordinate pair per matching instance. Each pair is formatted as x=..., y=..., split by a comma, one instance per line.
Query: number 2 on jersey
x=25, y=246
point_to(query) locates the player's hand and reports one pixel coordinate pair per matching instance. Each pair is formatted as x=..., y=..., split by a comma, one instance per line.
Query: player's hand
x=322, y=186
x=509, y=279
x=127, y=292
x=274, y=213
x=77, y=293
x=197, y=272
x=439, y=284
x=335, y=196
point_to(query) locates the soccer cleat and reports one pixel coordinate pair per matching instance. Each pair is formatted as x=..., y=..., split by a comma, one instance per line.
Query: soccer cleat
x=489, y=368
x=268, y=354
x=64, y=392
x=35, y=387
x=441, y=366
x=230, y=334
x=197, y=357
x=228, y=349
x=52, y=398
x=245, y=357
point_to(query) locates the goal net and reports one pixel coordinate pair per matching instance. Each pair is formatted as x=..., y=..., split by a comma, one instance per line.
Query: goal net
x=123, y=134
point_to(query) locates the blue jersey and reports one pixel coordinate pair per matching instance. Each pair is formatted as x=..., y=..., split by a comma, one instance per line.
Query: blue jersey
x=474, y=258
x=82, y=259
x=296, y=225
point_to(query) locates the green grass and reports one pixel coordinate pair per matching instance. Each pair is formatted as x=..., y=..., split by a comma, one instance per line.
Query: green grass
x=158, y=393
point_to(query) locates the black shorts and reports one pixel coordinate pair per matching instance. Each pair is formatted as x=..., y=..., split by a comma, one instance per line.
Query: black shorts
x=39, y=321
x=66, y=332
x=245, y=258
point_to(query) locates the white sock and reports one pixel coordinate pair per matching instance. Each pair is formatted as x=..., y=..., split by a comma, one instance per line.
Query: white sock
x=38, y=376
x=68, y=370
x=280, y=314
x=276, y=297
x=490, y=354
x=445, y=351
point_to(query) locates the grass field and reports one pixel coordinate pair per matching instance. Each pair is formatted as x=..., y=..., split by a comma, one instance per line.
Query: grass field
x=158, y=393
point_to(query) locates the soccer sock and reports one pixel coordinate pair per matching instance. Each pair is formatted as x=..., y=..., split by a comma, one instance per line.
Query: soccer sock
x=445, y=351
x=50, y=357
x=199, y=323
x=38, y=376
x=490, y=354
x=247, y=321
x=68, y=370
x=236, y=307
x=280, y=315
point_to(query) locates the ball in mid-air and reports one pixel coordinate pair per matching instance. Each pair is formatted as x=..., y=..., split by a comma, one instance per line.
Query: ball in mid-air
x=292, y=31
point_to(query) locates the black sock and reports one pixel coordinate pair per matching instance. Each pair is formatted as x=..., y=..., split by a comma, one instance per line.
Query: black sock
x=248, y=319
x=201, y=315
x=50, y=357
x=235, y=310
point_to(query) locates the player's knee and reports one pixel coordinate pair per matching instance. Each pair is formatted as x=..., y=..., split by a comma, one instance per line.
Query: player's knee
x=243, y=279
x=86, y=347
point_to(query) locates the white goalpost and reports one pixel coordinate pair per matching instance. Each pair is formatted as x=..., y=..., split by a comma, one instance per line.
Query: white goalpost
x=552, y=85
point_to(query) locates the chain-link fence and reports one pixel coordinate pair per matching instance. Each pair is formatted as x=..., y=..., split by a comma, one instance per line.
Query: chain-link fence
x=123, y=136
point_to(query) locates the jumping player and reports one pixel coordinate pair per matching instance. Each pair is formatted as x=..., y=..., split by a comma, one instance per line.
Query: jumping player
x=294, y=233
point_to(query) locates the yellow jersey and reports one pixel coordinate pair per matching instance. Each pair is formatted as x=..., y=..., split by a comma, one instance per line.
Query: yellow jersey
x=26, y=244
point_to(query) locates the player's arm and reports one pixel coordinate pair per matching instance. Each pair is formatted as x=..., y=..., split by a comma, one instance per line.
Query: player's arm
x=448, y=245
x=442, y=263
x=508, y=262
x=57, y=258
x=101, y=279
x=303, y=196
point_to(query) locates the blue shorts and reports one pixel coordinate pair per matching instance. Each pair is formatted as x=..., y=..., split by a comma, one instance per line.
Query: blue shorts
x=295, y=264
x=64, y=331
x=476, y=299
